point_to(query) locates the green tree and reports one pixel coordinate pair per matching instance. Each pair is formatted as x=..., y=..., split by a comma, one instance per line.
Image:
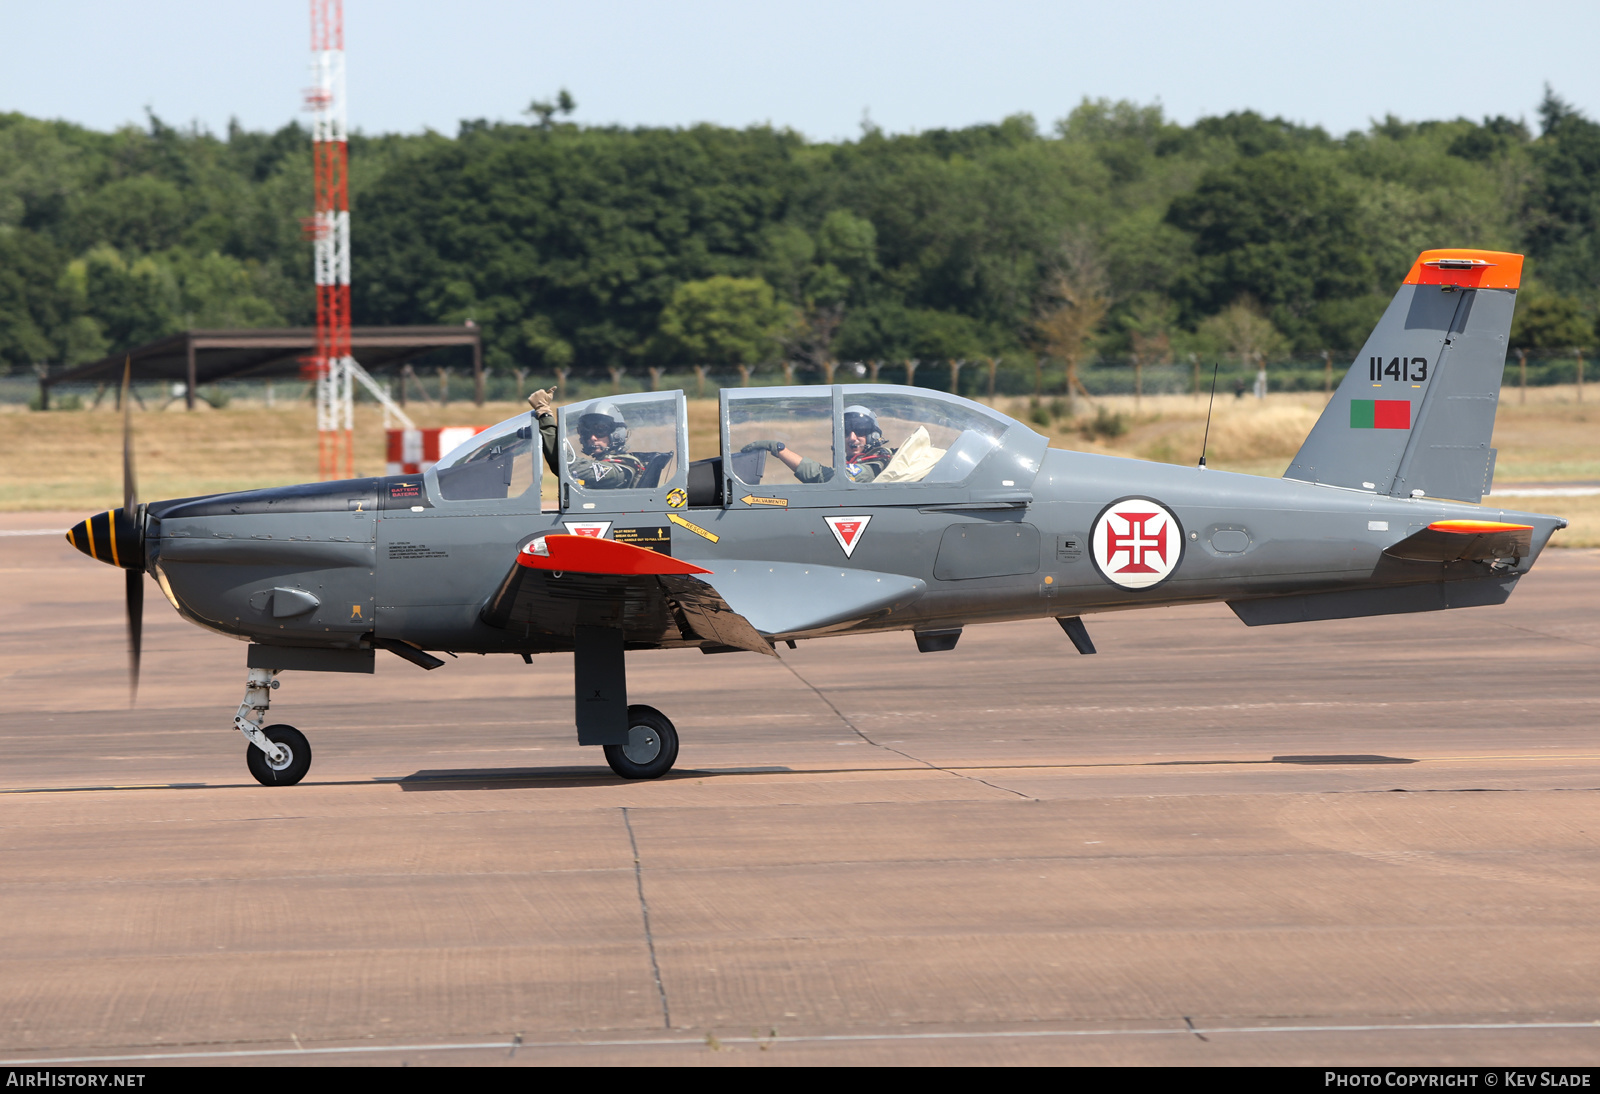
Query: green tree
x=132, y=303
x=889, y=330
x=32, y=306
x=1277, y=229
x=726, y=321
x=1243, y=332
x=1548, y=320
x=1076, y=303
x=1564, y=209
x=139, y=214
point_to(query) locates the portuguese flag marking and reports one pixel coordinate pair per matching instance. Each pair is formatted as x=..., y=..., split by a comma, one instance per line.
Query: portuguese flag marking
x=1380, y=414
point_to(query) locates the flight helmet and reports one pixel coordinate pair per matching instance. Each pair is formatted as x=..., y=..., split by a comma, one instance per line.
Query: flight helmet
x=863, y=423
x=602, y=417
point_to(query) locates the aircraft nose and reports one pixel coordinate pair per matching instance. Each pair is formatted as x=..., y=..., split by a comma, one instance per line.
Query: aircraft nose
x=112, y=537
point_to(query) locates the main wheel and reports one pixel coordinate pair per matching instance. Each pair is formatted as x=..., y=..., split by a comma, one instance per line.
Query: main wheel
x=294, y=765
x=652, y=746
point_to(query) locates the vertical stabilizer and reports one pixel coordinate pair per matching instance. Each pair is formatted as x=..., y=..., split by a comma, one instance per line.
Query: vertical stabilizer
x=1415, y=413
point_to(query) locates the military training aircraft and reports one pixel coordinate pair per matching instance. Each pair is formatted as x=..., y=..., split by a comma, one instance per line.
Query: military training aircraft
x=843, y=510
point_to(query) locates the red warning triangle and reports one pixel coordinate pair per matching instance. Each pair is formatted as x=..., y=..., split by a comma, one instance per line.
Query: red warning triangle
x=848, y=531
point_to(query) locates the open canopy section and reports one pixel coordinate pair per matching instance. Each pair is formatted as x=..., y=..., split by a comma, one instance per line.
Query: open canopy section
x=195, y=357
x=624, y=453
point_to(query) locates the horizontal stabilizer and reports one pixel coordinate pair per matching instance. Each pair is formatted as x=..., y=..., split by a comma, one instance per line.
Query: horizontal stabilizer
x=1465, y=541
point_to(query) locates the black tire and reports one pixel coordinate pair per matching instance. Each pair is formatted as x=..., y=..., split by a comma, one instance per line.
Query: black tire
x=291, y=772
x=653, y=742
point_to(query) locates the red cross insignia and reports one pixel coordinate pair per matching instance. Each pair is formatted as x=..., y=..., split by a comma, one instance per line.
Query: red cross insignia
x=1137, y=543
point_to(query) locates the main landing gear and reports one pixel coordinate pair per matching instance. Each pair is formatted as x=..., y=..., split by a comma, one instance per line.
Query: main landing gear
x=277, y=755
x=652, y=746
x=640, y=742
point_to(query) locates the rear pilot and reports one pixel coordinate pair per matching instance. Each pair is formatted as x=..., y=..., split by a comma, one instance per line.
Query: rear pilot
x=865, y=453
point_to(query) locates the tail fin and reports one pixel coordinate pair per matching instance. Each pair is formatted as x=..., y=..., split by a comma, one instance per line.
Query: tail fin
x=1415, y=413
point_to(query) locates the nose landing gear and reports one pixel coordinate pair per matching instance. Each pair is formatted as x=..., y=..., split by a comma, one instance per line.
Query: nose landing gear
x=278, y=755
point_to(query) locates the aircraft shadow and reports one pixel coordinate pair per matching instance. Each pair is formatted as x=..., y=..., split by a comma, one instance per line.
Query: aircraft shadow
x=1348, y=760
x=1341, y=760
x=517, y=777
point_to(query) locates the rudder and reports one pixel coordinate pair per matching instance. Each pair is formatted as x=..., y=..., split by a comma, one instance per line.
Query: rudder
x=1415, y=414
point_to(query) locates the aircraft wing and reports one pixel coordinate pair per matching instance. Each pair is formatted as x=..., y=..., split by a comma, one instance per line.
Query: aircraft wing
x=561, y=582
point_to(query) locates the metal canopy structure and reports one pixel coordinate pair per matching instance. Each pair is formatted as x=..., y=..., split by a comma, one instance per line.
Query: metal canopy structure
x=196, y=357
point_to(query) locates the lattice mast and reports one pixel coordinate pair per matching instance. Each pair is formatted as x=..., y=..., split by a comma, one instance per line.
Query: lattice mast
x=332, y=366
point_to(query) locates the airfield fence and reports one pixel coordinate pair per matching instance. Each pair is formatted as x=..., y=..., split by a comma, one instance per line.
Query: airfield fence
x=1013, y=377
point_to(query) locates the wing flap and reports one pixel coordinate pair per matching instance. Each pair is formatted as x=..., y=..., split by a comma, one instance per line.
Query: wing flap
x=708, y=615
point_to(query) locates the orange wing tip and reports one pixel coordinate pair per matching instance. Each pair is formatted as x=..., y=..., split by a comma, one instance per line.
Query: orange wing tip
x=1476, y=527
x=1467, y=268
x=587, y=555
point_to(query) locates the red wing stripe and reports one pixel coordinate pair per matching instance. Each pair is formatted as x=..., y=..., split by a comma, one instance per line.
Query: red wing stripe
x=585, y=555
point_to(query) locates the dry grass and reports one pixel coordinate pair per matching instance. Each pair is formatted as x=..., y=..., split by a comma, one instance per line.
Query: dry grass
x=71, y=460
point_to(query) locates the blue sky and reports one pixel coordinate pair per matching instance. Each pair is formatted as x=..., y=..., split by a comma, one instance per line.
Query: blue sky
x=817, y=67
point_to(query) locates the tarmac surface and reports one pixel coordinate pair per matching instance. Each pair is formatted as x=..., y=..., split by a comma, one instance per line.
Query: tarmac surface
x=1361, y=842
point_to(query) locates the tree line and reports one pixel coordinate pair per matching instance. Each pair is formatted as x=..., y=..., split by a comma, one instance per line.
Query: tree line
x=1115, y=234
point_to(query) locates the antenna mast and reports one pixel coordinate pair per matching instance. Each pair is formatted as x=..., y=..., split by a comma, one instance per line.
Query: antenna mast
x=332, y=366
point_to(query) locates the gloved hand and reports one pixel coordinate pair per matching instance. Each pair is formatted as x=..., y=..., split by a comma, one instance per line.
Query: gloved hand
x=542, y=402
x=764, y=446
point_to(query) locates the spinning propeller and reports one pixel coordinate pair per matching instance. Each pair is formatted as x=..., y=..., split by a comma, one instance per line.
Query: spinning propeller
x=134, y=578
x=117, y=537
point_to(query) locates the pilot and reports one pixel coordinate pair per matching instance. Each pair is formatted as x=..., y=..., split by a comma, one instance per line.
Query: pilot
x=866, y=454
x=606, y=463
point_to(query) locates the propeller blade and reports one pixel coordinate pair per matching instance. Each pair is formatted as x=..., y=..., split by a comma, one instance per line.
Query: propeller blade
x=130, y=489
x=135, y=588
x=130, y=505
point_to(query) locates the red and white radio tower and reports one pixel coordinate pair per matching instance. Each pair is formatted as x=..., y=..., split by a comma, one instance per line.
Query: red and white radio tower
x=332, y=366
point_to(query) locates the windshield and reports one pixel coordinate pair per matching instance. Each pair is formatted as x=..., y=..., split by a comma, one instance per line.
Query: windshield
x=500, y=462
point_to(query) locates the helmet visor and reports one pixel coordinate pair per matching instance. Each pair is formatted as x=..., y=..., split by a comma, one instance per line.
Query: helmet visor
x=596, y=425
x=859, y=424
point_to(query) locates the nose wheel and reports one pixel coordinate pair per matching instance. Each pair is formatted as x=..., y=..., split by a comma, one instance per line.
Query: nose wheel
x=652, y=746
x=291, y=763
x=278, y=755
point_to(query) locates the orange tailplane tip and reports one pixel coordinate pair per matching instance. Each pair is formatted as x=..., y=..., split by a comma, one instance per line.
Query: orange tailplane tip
x=1468, y=269
x=1476, y=527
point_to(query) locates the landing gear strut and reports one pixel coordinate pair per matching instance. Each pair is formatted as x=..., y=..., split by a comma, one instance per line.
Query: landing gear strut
x=277, y=755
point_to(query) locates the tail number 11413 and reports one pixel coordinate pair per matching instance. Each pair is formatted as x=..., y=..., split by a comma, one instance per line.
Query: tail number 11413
x=1407, y=369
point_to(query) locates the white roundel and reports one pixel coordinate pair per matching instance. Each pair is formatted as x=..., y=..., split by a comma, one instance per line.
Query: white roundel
x=1136, y=543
